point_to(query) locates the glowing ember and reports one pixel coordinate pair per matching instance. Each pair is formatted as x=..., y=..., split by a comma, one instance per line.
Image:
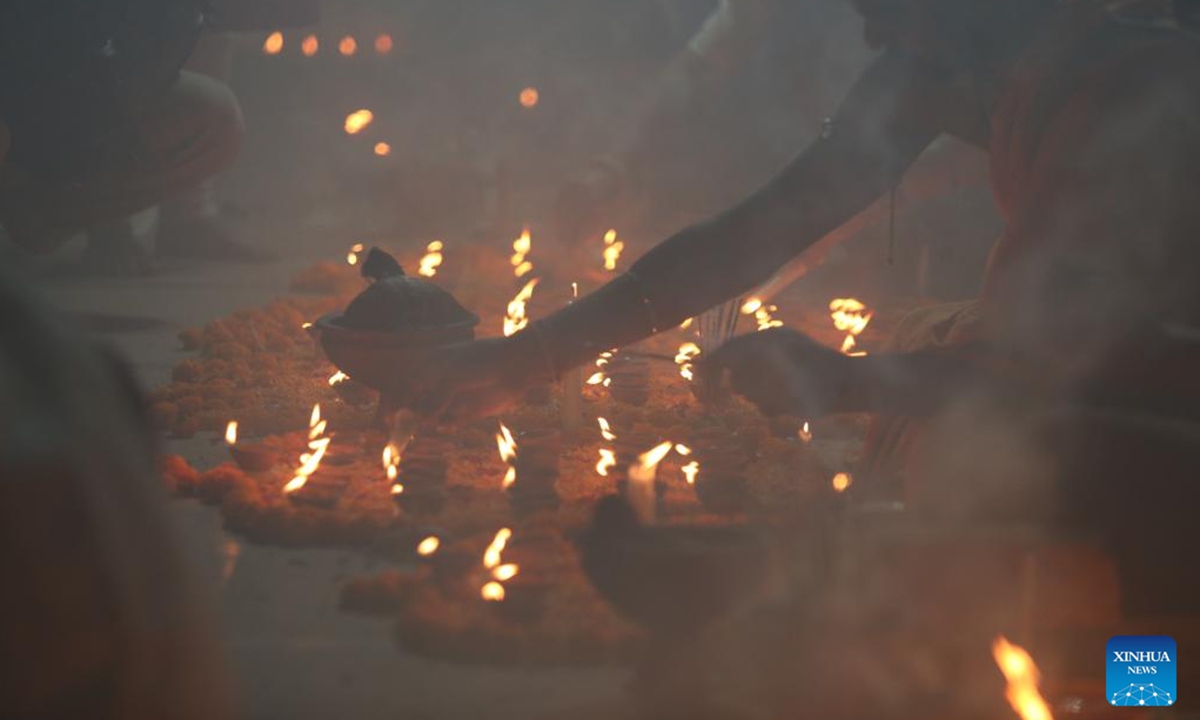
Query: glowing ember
x=337, y=378
x=1023, y=677
x=432, y=259
x=517, y=318
x=505, y=572
x=851, y=317
x=492, y=592
x=310, y=46
x=383, y=149
x=310, y=461
x=529, y=97
x=508, y=453
x=521, y=248
x=606, y=430
x=612, y=250
x=358, y=121
x=690, y=471
x=687, y=353
x=355, y=251
x=273, y=45
x=491, y=556
x=842, y=481
x=347, y=46
x=231, y=432
x=805, y=434
x=384, y=44
x=428, y=546
x=642, y=475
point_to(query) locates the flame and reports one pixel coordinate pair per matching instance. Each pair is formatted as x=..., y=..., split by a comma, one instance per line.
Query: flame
x=529, y=97
x=842, y=481
x=1023, y=677
x=310, y=46
x=851, y=317
x=355, y=250
x=231, y=432
x=805, y=434
x=491, y=556
x=432, y=259
x=647, y=465
x=397, y=489
x=391, y=466
x=273, y=45
x=752, y=306
x=358, y=121
x=688, y=352
x=383, y=149
x=521, y=248
x=383, y=44
x=508, y=453
x=305, y=326
x=608, y=461
x=612, y=250
x=687, y=323
x=429, y=546
x=690, y=471
x=310, y=461
x=347, y=46
x=517, y=318
x=337, y=378
x=683, y=450
x=606, y=430
x=508, y=571
x=492, y=592
x=600, y=377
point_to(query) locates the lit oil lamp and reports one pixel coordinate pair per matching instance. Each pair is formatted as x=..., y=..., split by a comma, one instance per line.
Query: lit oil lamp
x=251, y=457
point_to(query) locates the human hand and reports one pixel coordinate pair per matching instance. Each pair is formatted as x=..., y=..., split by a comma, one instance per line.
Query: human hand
x=783, y=372
x=472, y=380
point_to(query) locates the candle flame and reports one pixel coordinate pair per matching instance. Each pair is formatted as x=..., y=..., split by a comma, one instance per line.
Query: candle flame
x=529, y=97
x=851, y=317
x=391, y=466
x=608, y=461
x=690, y=471
x=231, y=432
x=606, y=430
x=1023, y=677
x=358, y=121
x=347, y=46
x=612, y=250
x=492, y=592
x=310, y=461
x=273, y=45
x=428, y=546
x=517, y=318
x=842, y=481
x=647, y=465
x=491, y=556
x=432, y=259
x=337, y=378
x=508, y=453
x=687, y=323
x=522, y=246
x=805, y=434
x=688, y=352
x=505, y=572
x=683, y=450
x=310, y=46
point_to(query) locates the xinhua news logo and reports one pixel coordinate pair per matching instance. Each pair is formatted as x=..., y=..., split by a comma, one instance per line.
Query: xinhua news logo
x=1140, y=671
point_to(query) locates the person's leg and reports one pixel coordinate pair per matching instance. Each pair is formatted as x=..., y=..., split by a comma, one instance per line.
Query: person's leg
x=194, y=133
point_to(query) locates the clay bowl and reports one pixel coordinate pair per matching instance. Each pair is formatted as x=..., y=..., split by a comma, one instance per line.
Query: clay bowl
x=253, y=457
x=677, y=580
x=378, y=359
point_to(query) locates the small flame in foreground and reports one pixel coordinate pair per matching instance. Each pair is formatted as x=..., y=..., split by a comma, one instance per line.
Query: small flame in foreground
x=231, y=432
x=688, y=352
x=517, y=317
x=690, y=471
x=429, y=546
x=347, y=46
x=273, y=45
x=612, y=250
x=508, y=453
x=384, y=44
x=851, y=317
x=432, y=259
x=310, y=46
x=521, y=248
x=1023, y=677
x=358, y=121
x=491, y=556
x=383, y=149
x=492, y=592
x=310, y=461
x=355, y=250
x=842, y=481
x=529, y=97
